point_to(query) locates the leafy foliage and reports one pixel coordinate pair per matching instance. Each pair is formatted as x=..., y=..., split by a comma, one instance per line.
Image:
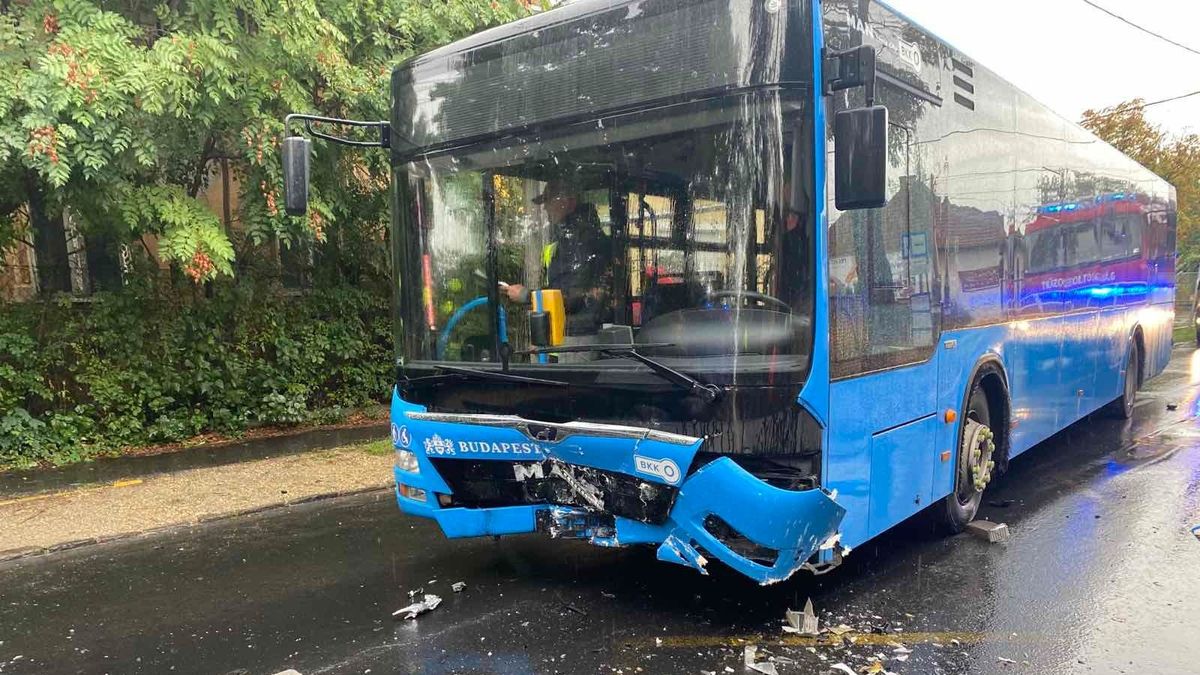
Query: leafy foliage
x=119, y=111
x=150, y=365
x=107, y=103
x=1175, y=158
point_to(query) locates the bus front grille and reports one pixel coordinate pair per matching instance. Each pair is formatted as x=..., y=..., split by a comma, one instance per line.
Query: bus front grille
x=492, y=483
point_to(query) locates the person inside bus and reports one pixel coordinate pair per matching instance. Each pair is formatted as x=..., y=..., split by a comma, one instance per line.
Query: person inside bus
x=577, y=261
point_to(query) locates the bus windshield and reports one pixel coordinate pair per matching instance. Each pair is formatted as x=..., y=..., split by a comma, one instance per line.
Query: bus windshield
x=684, y=236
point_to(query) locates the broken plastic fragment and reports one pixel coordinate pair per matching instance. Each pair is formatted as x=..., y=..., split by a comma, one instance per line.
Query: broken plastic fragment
x=673, y=549
x=428, y=604
x=749, y=654
x=804, y=623
x=750, y=658
x=1001, y=659
x=458, y=586
x=843, y=668
x=989, y=531
x=833, y=540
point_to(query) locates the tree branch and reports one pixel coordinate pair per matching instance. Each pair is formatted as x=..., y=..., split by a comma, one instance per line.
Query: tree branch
x=205, y=155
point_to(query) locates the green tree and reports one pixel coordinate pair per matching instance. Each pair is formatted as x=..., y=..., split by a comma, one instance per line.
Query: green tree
x=1174, y=158
x=117, y=111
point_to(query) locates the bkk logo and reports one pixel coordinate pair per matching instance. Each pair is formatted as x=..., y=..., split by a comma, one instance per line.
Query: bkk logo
x=665, y=469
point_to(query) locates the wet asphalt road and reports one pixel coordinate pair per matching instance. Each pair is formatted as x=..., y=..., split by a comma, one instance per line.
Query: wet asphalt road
x=1101, y=575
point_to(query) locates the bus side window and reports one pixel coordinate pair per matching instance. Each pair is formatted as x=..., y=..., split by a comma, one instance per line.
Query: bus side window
x=880, y=313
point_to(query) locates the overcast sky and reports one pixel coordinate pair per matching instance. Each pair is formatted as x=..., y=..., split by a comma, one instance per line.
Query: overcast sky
x=1073, y=57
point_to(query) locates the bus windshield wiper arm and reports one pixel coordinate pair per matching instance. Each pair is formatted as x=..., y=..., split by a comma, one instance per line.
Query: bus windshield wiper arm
x=497, y=376
x=709, y=392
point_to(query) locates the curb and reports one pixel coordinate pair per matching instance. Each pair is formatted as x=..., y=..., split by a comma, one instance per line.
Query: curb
x=114, y=469
x=33, y=551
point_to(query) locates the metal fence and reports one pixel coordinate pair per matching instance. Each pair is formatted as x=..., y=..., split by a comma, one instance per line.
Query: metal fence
x=1185, y=288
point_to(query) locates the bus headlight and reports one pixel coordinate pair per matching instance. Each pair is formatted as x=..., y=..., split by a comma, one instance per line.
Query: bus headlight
x=413, y=493
x=406, y=460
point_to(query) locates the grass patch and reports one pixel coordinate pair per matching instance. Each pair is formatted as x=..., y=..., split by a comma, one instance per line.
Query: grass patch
x=1184, y=334
x=377, y=448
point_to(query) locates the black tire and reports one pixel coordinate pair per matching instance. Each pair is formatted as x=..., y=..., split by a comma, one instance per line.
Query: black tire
x=960, y=506
x=1122, y=408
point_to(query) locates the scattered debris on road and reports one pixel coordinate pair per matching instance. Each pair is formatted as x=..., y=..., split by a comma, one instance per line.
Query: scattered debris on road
x=1172, y=406
x=750, y=658
x=988, y=531
x=802, y=623
x=1003, y=660
x=458, y=586
x=841, y=667
x=876, y=668
x=289, y=671
x=428, y=604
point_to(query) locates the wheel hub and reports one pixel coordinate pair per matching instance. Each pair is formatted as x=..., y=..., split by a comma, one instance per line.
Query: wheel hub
x=979, y=444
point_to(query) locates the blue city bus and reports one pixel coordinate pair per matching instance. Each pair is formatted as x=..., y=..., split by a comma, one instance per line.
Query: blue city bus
x=748, y=281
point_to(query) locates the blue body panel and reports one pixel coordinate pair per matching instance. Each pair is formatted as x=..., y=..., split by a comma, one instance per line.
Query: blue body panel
x=860, y=408
x=884, y=459
x=814, y=396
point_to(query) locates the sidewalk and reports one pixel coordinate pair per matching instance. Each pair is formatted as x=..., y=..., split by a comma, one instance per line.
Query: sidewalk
x=71, y=516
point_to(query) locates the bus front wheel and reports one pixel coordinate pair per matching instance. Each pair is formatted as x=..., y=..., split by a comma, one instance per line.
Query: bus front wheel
x=974, y=465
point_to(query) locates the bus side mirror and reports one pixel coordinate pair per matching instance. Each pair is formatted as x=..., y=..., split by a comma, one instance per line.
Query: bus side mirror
x=860, y=138
x=296, y=150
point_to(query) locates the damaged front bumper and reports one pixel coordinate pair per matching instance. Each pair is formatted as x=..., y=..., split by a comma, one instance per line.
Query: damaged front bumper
x=612, y=485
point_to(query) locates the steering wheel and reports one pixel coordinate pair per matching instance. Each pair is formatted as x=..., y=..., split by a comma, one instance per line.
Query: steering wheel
x=444, y=339
x=760, y=298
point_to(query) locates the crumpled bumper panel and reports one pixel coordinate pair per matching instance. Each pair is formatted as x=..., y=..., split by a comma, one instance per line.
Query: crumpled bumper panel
x=721, y=511
x=792, y=524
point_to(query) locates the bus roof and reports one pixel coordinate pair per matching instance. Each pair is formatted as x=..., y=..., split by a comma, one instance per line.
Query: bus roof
x=552, y=17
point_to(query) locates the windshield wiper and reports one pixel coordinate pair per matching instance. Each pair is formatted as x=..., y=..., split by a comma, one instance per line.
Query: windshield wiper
x=708, y=392
x=497, y=376
x=620, y=346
